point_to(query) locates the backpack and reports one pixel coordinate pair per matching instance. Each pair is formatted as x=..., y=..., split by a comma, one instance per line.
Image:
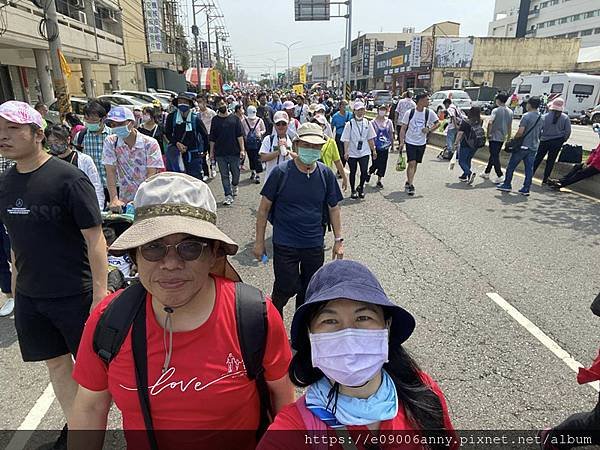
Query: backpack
x=476, y=138
x=252, y=140
x=412, y=114
x=127, y=311
x=79, y=139
x=321, y=168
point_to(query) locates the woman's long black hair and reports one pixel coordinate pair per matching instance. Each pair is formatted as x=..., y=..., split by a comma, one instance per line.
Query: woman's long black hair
x=423, y=406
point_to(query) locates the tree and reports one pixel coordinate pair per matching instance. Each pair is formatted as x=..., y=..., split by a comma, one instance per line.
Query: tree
x=183, y=47
x=228, y=75
x=265, y=82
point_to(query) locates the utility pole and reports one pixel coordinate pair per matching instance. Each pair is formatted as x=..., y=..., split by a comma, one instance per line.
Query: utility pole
x=348, y=50
x=195, y=32
x=61, y=89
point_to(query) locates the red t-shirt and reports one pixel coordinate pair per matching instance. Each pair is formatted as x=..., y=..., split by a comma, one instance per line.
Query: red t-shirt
x=289, y=430
x=205, y=388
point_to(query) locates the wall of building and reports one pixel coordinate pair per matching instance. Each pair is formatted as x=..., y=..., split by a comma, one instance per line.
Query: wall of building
x=128, y=79
x=493, y=56
x=134, y=32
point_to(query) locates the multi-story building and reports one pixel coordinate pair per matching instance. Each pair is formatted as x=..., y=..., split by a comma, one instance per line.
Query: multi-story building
x=367, y=47
x=91, y=33
x=320, y=68
x=548, y=18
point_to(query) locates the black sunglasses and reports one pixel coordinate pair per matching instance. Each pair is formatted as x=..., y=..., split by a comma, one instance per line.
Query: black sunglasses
x=187, y=250
x=281, y=124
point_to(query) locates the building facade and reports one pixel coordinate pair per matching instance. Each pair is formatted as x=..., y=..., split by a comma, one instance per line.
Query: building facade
x=548, y=18
x=463, y=62
x=91, y=33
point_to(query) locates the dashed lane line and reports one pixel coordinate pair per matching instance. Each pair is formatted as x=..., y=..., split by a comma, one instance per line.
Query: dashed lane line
x=546, y=340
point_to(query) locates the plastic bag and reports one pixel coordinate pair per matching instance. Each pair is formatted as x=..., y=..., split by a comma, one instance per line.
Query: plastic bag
x=180, y=163
x=452, y=161
x=401, y=165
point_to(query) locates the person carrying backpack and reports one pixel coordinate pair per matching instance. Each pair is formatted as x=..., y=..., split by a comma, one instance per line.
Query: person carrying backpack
x=188, y=139
x=300, y=197
x=187, y=348
x=469, y=139
x=254, y=130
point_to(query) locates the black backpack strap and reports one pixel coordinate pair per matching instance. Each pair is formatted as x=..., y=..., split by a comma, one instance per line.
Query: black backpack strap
x=411, y=115
x=140, y=358
x=252, y=328
x=116, y=320
x=79, y=139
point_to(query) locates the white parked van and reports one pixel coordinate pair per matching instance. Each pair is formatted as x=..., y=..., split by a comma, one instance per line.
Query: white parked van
x=579, y=90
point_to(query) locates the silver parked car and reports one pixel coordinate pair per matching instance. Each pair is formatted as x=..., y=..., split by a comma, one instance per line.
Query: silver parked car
x=460, y=98
x=77, y=104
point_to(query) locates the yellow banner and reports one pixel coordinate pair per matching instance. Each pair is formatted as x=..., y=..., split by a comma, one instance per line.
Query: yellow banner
x=302, y=74
x=397, y=61
x=215, y=81
x=299, y=89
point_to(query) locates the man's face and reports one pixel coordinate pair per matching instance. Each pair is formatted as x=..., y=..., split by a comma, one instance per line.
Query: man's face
x=290, y=113
x=262, y=100
x=93, y=119
x=275, y=98
x=299, y=143
x=424, y=102
x=18, y=141
x=43, y=110
x=173, y=281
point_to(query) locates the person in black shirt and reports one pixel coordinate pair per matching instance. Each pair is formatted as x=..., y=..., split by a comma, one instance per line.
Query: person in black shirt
x=227, y=148
x=187, y=137
x=265, y=112
x=50, y=211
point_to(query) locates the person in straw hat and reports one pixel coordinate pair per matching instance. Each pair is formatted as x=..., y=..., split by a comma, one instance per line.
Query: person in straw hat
x=196, y=373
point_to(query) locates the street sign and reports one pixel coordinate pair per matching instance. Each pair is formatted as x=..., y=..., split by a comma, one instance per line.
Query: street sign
x=310, y=10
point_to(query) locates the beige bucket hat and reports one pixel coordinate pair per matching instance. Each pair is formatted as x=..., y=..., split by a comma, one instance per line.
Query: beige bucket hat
x=170, y=203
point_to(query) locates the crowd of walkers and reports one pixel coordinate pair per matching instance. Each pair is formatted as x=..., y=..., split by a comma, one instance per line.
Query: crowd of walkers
x=190, y=355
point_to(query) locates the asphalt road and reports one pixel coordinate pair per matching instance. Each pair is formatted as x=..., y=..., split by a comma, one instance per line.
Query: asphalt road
x=439, y=254
x=580, y=135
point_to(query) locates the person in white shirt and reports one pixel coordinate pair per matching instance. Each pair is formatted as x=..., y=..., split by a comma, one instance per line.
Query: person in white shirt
x=416, y=126
x=277, y=147
x=318, y=109
x=289, y=108
x=406, y=104
x=59, y=145
x=206, y=114
x=358, y=138
x=454, y=120
x=254, y=130
x=301, y=110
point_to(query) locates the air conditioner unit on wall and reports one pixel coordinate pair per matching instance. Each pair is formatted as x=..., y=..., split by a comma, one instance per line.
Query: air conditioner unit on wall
x=487, y=83
x=457, y=83
x=82, y=17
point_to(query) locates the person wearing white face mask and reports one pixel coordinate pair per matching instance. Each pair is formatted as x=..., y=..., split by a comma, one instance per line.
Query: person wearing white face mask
x=129, y=158
x=348, y=338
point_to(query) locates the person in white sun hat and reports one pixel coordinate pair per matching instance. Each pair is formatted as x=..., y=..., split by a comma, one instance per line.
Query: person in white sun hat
x=188, y=326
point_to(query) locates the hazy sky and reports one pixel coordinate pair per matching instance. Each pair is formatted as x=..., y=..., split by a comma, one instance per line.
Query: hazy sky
x=255, y=25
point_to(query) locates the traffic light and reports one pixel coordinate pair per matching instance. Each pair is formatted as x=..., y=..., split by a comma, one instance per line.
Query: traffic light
x=82, y=85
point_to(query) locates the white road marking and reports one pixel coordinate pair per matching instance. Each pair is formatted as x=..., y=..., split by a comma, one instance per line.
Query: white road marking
x=33, y=420
x=540, y=335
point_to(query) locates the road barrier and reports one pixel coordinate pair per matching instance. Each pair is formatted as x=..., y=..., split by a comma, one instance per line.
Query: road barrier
x=590, y=187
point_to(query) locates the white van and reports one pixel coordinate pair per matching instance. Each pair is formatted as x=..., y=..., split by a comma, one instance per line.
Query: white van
x=579, y=90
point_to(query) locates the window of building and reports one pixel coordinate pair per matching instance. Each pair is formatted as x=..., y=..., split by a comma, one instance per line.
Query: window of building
x=573, y=35
x=554, y=2
x=557, y=88
x=525, y=89
x=544, y=4
x=597, y=31
x=551, y=23
x=583, y=89
x=575, y=17
x=587, y=32
x=590, y=14
x=542, y=25
x=400, y=44
x=379, y=46
x=563, y=20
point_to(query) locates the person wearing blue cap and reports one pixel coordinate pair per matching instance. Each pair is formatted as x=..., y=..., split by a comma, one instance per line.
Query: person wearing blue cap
x=348, y=338
x=129, y=157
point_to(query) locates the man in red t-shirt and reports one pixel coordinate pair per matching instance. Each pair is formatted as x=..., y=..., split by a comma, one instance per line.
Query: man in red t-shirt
x=197, y=379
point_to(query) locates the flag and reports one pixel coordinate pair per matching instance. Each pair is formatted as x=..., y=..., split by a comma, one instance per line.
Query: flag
x=64, y=65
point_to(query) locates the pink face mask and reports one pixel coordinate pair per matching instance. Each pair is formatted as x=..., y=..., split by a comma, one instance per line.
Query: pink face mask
x=352, y=356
